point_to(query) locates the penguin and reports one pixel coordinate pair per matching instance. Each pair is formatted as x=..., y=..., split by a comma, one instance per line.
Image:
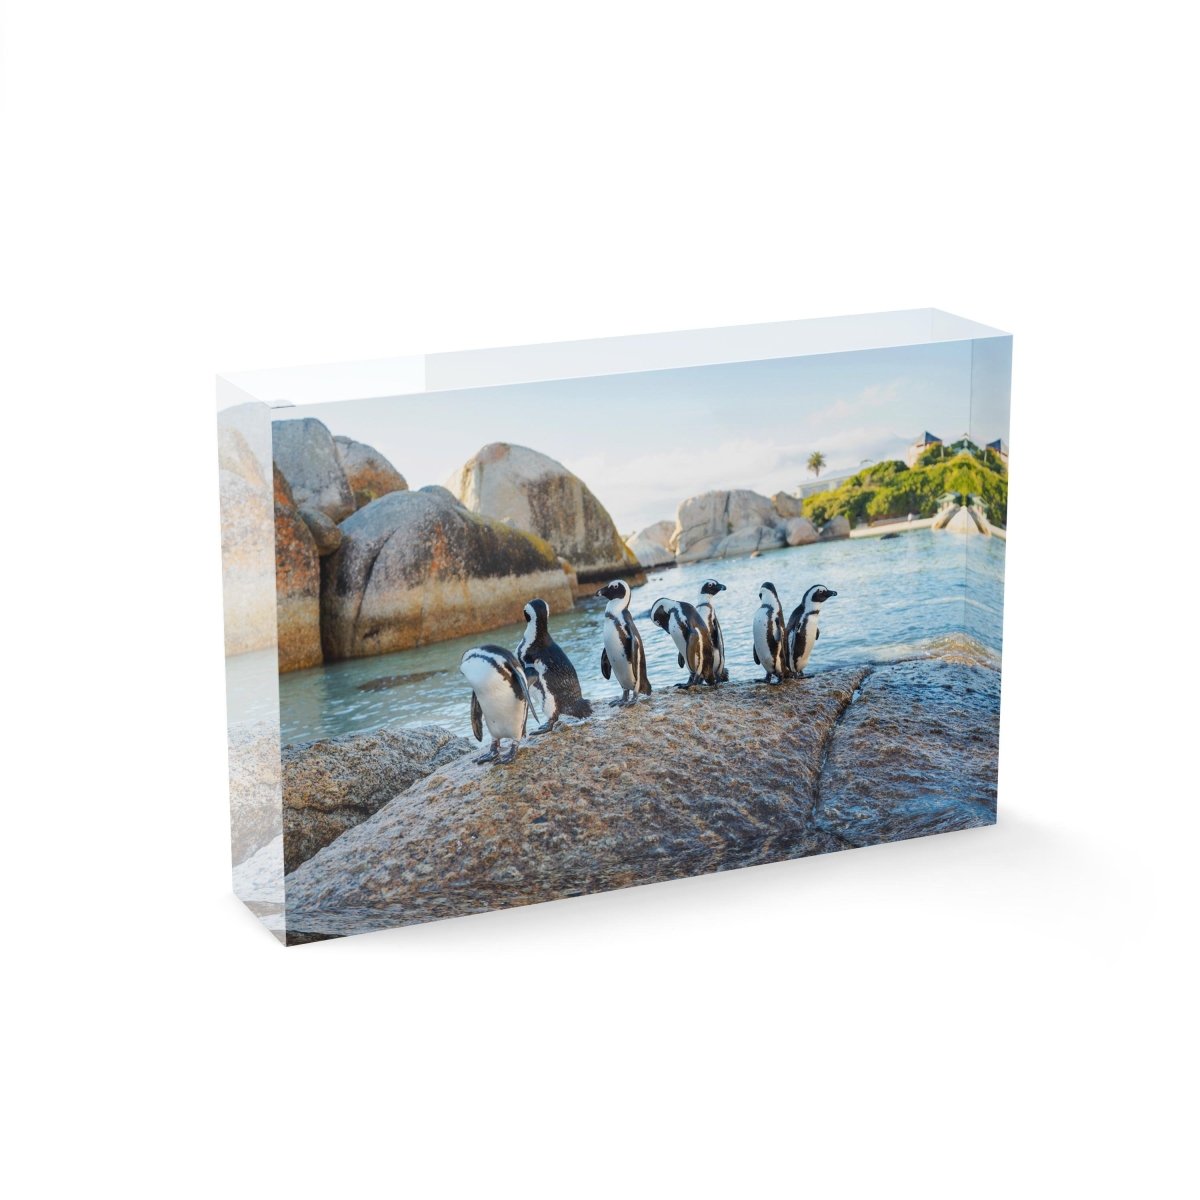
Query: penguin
x=548, y=670
x=708, y=590
x=770, y=645
x=623, y=654
x=689, y=632
x=499, y=696
x=802, y=631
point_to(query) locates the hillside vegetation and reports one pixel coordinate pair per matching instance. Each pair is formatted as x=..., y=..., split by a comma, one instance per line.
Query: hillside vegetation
x=892, y=489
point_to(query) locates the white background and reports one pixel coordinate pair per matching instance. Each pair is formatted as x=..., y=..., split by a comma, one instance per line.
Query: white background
x=221, y=186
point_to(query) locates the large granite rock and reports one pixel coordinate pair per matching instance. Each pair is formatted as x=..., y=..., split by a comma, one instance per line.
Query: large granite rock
x=417, y=567
x=800, y=531
x=327, y=536
x=234, y=455
x=304, y=451
x=917, y=754
x=652, y=546
x=787, y=505
x=752, y=540
x=331, y=786
x=297, y=584
x=254, y=787
x=705, y=521
x=540, y=496
x=619, y=801
x=247, y=563
x=368, y=473
x=247, y=534
x=835, y=527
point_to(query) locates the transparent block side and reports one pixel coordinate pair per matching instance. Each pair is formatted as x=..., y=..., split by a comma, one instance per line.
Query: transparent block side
x=991, y=381
x=251, y=653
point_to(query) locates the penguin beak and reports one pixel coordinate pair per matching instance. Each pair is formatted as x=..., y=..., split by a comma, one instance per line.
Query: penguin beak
x=720, y=587
x=832, y=594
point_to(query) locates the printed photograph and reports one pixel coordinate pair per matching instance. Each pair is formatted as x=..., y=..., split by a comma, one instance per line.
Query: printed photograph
x=540, y=640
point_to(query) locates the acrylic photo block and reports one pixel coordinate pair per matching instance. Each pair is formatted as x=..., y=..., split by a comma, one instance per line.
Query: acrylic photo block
x=514, y=625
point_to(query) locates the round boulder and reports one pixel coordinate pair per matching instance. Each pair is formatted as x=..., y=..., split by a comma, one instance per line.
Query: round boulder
x=835, y=527
x=540, y=496
x=297, y=585
x=800, y=531
x=752, y=540
x=368, y=473
x=787, y=505
x=304, y=451
x=415, y=568
x=705, y=521
x=326, y=535
x=652, y=544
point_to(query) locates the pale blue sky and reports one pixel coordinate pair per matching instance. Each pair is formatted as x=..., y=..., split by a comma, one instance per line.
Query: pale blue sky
x=644, y=442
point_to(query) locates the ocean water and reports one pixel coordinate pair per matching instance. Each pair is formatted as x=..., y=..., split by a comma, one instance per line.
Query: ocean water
x=918, y=593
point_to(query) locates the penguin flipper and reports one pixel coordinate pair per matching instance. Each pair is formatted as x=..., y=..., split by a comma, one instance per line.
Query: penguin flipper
x=757, y=663
x=638, y=657
x=817, y=638
x=605, y=665
x=476, y=718
x=680, y=660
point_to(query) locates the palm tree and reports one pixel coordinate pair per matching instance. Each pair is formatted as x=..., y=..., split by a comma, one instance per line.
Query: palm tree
x=816, y=461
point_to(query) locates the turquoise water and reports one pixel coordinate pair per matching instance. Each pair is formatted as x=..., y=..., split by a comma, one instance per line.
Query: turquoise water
x=897, y=597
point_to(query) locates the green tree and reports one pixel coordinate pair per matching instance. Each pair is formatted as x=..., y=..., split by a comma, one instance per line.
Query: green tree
x=816, y=463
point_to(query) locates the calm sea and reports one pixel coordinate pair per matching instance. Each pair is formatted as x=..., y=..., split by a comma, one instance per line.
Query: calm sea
x=921, y=592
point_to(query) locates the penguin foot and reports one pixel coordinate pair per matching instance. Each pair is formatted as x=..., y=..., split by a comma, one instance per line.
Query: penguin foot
x=508, y=755
x=547, y=728
x=490, y=756
x=617, y=702
x=683, y=687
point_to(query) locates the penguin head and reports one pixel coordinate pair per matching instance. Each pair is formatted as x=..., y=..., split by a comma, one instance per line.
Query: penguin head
x=660, y=614
x=537, y=614
x=617, y=590
x=710, y=587
x=816, y=596
x=768, y=595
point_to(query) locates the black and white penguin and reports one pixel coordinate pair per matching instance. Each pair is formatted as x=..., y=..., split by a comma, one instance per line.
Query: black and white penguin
x=802, y=631
x=548, y=670
x=689, y=632
x=770, y=643
x=499, y=696
x=708, y=590
x=623, y=654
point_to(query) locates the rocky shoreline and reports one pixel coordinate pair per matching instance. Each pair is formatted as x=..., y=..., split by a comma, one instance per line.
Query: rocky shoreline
x=683, y=784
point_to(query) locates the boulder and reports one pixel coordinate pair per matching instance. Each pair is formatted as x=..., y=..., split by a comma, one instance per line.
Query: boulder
x=617, y=801
x=651, y=546
x=416, y=567
x=799, y=531
x=368, y=473
x=835, y=527
x=705, y=521
x=234, y=455
x=752, y=540
x=247, y=563
x=917, y=754
x=326, y=535
x=436, y=489
x=254, y=787
x=540, y=496
x=331, y=786
x=297, y=584
x=787, y=505
x=304, y=451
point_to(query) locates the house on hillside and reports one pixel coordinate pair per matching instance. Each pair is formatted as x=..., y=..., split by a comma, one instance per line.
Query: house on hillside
x=919, y=447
